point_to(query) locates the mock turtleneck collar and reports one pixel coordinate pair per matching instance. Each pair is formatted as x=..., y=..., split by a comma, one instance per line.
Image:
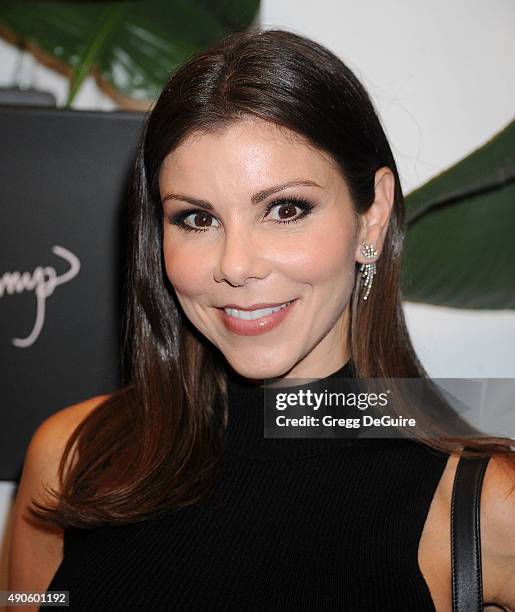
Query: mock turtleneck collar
x=244, y=435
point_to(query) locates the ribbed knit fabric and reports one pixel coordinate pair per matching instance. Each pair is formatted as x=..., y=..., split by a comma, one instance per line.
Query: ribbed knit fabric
x=293, y=524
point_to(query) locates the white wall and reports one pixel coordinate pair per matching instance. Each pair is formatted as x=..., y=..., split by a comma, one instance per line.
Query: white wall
x=441, y=76
x=439, y=72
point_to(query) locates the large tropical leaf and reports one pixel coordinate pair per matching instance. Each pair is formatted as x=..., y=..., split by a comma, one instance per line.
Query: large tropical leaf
x=130, y=45
x=460, y=244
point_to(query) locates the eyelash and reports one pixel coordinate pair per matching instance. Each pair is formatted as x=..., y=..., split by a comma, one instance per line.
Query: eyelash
x=301, y=203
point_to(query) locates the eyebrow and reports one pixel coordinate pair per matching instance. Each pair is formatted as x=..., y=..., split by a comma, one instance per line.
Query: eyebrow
x=255, y=199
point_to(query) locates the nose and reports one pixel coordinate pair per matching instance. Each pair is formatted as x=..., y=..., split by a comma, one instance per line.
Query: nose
x=240, y=258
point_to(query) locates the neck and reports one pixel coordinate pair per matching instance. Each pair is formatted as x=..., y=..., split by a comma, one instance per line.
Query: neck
x=244, y=422
x=325, y=371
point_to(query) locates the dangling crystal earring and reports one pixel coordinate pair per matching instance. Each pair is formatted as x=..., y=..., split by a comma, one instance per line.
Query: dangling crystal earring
x=368, y=270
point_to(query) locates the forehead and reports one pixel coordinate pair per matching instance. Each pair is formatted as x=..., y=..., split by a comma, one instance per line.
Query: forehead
x=250, y=150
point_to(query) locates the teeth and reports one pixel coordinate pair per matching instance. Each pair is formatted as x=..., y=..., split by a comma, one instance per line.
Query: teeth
x=249, y=315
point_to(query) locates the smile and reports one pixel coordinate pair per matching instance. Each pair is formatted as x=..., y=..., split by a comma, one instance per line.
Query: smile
x=250, y=315
x=254, y=322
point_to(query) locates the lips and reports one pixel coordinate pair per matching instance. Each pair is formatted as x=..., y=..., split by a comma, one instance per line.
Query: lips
x=257, y=326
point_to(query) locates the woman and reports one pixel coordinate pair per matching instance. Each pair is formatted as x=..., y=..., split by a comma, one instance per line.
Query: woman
x=264, y=179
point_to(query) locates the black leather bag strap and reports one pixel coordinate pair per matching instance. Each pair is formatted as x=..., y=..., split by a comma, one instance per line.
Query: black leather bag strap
x=467, y=583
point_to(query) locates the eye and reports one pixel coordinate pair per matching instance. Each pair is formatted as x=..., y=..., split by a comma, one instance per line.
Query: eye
x=286, y=208
x=202, y=221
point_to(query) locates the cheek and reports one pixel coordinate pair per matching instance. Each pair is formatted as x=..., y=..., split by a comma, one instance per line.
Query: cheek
x=185, y=269
x=327, y=256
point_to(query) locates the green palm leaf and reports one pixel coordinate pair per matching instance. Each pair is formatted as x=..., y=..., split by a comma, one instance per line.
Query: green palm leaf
x=460, y=244
x=130, y=45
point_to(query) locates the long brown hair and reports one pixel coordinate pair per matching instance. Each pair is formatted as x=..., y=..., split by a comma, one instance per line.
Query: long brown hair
x=155, y=444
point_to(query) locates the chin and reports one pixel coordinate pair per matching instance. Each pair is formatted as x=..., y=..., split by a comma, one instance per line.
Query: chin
x=255, y=370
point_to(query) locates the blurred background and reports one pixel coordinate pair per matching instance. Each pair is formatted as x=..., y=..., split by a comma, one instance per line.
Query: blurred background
x=75, y=80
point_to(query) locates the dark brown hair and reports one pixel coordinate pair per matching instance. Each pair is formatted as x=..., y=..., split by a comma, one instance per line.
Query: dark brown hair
x=155, y=444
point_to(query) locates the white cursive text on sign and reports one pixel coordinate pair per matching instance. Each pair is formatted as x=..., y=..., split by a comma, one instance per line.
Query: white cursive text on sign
x=43, y=282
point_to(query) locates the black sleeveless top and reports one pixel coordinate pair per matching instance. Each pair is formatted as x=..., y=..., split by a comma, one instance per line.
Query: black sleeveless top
x=294, y=524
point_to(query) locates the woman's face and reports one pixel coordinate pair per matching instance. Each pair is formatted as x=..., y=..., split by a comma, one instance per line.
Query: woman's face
x=255, y=244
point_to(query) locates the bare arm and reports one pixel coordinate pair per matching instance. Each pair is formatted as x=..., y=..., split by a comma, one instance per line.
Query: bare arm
x=497, y=538
x=498, y=532
x=35, y=550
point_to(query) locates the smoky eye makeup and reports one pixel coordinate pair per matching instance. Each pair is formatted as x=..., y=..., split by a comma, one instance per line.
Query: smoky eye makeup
x=200, y=215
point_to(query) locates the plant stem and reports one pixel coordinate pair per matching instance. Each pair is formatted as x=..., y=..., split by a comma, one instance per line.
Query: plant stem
x=108, y=22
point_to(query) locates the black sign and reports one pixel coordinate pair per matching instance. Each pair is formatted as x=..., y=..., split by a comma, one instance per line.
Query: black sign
x=63, y=190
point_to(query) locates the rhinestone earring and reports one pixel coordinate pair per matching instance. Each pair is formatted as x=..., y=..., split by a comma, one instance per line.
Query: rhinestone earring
x=368, y=270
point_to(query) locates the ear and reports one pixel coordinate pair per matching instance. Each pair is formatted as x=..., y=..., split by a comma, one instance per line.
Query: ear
x=374, y=222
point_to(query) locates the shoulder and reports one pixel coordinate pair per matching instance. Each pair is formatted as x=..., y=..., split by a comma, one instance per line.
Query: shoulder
x=49, y=440
x=35, y=549
x=497, y=521
x=498, y=529
x=497, y=524
x=60, y=424
x=47, y=444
